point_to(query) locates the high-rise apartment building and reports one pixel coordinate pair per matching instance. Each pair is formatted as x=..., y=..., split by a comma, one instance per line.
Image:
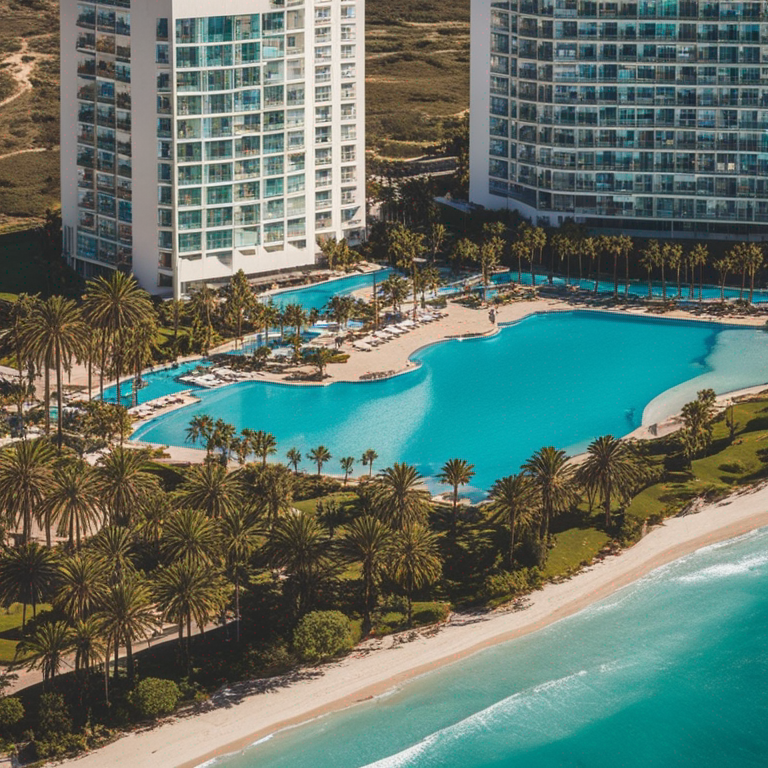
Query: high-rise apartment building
x=649, y=116
x=200, y=138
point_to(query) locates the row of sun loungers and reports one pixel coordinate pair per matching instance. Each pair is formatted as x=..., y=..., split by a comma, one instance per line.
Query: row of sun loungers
x=149, y=408
x=367, y=343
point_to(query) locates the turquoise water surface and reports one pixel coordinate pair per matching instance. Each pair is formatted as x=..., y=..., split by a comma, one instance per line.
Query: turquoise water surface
x=671, y=672
x=556, y=379
x=636, y=288
x=317, y=296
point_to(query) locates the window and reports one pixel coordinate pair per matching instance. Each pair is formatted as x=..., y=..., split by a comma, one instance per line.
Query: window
x=189, y=153
x=190, y=198
x=214, y=127
x=247, y=53
x=219, y=172
x=218, y=56
x=219, y=217
x=220, y=239
x=162, y=54
x=190, y=219
x=188, y=129
x=218, y=195
x=217, y=29
x=188, y=57
x=161, y=29
x=218, y=150
x=273, y=187
x=191, y=241
x=273, y=166
x=190, y=174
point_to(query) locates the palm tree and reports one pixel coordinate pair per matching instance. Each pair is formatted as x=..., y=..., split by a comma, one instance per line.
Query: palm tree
x=54, y=334
x=298, y=544
x=203, y=303
x=223, y=438
x=366, y=541
x=612, y=470
x=80, y=586
x=264, y=445
x=123, y=484
x=141, y=345
x=26, y=576
x=626, y=246
x=153, y=513
x=407, y=246
x=88, y=643
x=25, y=479
x=47, y=646
x=513, y=500
x=400, y=498
x=294, y=458
x=456, y=472
x=346, y=465
x=723, y=266
x=320, y=358
x=114, y=305
x=190, y=534
x=755, y=259
x=113, y=547
x=649, y=259
x=414, y=562
x=128, y=614
x=201, y=427
x=210, y=488
x=319, y=456
x=72, y=502
x=238, y=540
x=368, y=457
x=272, y=491
x=239, y=302
x=698, y=257
x=553, y=479
x=184, y=591
x=295, y=316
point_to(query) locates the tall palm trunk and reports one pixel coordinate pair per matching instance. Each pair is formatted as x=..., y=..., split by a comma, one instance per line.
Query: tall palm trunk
x=237, y=608
x=129, y=656
x=511, y=550
x=597, y=271
x=626, y=274
x=607, y=502
x=616, y=275
x=47, y=398
x=59, y=401
x=533, y=272
x=663, y=283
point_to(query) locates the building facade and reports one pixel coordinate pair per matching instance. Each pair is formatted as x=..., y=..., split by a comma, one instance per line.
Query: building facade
x=648, y=116
x=195, y=145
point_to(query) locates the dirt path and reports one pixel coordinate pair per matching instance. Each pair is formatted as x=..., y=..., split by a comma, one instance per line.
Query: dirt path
x=21, y=70
x=24, y=151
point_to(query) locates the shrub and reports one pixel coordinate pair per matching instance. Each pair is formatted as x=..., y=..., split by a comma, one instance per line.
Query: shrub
x=60, y=745
x=11, y=712
x=734, y=467
x=53, y=716
x=321, y=635
x=154, y=697
x=430, y=613
x=506, y=585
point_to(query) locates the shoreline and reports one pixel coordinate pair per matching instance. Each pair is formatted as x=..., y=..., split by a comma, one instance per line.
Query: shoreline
x=377, y=666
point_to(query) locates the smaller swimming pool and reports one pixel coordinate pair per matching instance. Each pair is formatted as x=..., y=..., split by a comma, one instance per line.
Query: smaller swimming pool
x=318, y=295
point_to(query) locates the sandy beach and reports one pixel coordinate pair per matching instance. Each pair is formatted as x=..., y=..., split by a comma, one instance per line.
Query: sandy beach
x=236, y=721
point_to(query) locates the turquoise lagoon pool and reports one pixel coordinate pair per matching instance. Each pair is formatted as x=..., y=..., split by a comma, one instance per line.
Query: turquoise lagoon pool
x=559, y=379
x=669, y=672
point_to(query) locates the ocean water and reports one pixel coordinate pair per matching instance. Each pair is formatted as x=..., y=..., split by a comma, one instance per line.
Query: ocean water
x=672, y=671
x=555, y=379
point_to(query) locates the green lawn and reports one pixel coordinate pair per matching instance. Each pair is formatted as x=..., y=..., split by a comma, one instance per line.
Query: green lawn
x=10, y=629
x=345, y=499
